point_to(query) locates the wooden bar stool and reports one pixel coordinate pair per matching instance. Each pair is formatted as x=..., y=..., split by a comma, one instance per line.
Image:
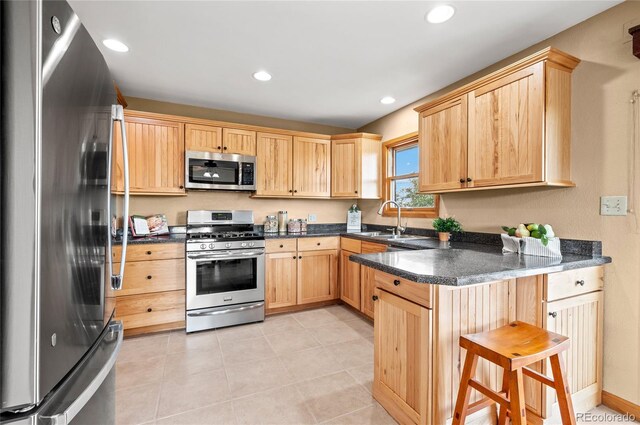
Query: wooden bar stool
x=514, y=347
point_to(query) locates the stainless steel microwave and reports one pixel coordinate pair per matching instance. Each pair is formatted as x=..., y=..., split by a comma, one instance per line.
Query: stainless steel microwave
x=219, y=171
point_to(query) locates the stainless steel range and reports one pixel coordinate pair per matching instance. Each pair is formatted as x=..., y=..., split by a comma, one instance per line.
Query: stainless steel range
x=225, y=270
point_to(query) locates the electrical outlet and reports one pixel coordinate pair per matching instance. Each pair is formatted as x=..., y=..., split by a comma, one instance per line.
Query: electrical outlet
x=312, y=218
x=613, y=205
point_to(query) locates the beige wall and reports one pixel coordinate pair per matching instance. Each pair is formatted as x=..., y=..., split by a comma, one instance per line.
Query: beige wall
x=601, y=143
x=327, y=211
x=159, y=107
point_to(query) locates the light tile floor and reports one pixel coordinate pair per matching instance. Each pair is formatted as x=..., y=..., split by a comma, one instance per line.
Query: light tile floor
x=308, y=367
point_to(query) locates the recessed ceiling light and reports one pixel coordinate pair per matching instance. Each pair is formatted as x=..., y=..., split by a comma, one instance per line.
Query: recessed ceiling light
x=262, y=76
x=440, y=14
x=387, y=100
x=115, y=45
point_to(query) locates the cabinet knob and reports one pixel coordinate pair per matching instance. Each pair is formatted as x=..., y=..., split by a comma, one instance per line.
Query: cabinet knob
x=318, y=243
x=281, y=246
x=148, y=252
x=299, y=257
x=225, y=148
x=149, y=277
x=356, y=191
x=469, y=179
x=461, y=180
x=219, y=147
x=396, y=282
x=294, y=257
x=580, y=282
x=553, y=314
x=375, y=298
x=181, y=187
x=290, y=191
x=295, y=191
x=149, y=310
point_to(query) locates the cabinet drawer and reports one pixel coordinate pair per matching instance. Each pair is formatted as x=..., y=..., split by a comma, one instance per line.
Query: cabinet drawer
x=349, y=244
x=281, y=245
x=137, y=311
x=573, y=282
x=419, y=293
x=315, y=244
x=142, y=277
x=150, y=251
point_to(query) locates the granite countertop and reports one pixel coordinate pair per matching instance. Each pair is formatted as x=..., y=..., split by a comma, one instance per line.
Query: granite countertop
x=459, y=264
x=171, y=238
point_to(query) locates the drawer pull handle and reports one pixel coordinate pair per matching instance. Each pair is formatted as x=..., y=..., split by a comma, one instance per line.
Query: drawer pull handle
x=553, y=314
x=149, y=310
x=281, y=246
x=375, y=298
x=148, y=252
x=149, y=277
x=396, y=282
x=580, y=282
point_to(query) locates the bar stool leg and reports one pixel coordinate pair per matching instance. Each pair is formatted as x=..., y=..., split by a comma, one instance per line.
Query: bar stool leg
x=516, y=390
x=502, y=419
x=468, y=372
x=562, y=390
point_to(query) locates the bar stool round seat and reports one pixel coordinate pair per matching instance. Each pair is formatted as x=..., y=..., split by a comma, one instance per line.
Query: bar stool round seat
x=513, y=347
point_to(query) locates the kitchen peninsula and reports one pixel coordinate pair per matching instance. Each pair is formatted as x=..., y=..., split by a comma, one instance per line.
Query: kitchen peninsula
x=426, y=299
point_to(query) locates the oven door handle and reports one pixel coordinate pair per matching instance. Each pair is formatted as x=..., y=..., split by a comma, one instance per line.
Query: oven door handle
x=225, y=311
x=228, y=255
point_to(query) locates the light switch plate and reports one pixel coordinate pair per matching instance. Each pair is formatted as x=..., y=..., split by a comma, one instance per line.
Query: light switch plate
x=312, y=218
x=613, y=205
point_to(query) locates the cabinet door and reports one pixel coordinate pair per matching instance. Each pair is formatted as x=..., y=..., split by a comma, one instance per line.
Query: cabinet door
x=345, y=171
x=204, y=138
x=280, y=281
x=402, y=335
x=505, y=129
x=156, y=156
x=443, y=146
x=275, y=165
x=367, y=278
x=317, y=277
x=579, y=318
x=240, y=142
x=311, y=167
x=349, y=280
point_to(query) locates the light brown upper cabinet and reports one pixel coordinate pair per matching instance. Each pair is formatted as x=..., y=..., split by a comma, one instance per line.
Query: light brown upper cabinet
x=275, y=165
x=293, y=166
x=511, y=128
x=241, y=142
x=311, y=167
x=156, y=157
x=355, y=166
x=208, y=138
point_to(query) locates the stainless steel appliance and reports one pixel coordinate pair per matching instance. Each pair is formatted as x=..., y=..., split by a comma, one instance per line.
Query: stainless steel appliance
x=207, y=170
x=58, y=339
x=225, y=270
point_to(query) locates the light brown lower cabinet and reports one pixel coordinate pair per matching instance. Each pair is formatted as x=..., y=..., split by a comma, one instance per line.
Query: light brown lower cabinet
x=367, y=278
x=401, y=374
x=296, y=274
x=152, y=297
x=420, y=388
x=350, y=291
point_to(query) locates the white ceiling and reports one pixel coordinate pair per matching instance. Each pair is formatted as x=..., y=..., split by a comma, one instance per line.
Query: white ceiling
x=331, y=61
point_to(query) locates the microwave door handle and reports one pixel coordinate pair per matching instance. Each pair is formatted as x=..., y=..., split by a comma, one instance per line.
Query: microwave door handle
x=117, y=114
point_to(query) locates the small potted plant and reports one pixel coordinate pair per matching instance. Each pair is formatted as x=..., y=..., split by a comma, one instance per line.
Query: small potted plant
x=446, y=226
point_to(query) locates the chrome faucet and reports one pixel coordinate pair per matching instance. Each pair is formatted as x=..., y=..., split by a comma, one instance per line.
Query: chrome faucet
x=399, y=228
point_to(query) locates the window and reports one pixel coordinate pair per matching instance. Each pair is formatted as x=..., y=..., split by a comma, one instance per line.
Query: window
x=400, y=163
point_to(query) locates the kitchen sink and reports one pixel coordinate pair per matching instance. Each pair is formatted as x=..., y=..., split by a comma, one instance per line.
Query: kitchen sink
x=387, y=236
x=367, y=234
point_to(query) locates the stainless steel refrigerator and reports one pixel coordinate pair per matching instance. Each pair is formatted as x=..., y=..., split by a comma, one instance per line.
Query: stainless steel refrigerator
x=59, y=342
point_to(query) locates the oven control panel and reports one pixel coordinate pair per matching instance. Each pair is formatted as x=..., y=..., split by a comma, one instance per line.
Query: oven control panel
x=203, y=245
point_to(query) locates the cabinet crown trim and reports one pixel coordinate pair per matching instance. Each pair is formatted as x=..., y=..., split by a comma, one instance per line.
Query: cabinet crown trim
x=356, y=136
x=549, y=54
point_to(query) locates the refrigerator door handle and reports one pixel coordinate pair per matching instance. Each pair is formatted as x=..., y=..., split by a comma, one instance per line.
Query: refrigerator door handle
x=109, y=348
x=117, y=114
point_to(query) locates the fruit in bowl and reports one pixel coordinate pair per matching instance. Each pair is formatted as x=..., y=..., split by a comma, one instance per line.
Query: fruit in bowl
x=534, y=230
